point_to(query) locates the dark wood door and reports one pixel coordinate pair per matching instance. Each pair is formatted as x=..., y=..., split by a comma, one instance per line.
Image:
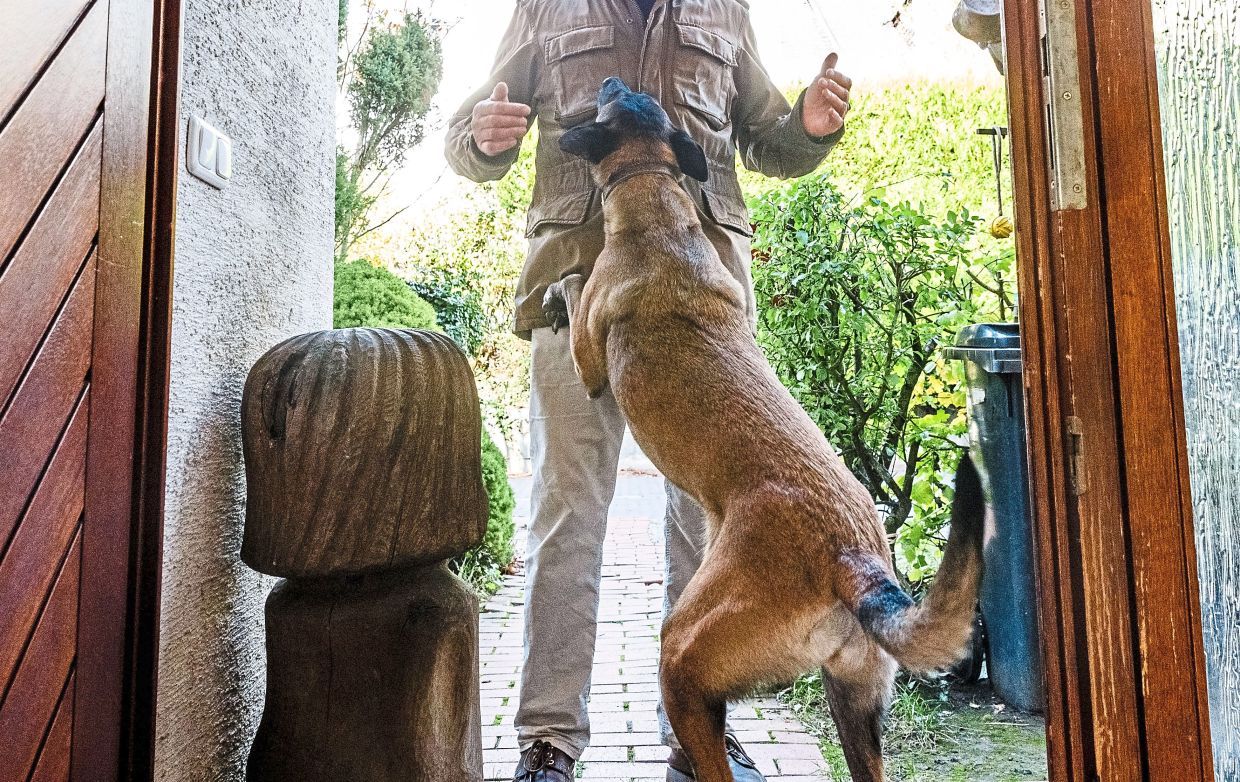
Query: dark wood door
x=76, y=283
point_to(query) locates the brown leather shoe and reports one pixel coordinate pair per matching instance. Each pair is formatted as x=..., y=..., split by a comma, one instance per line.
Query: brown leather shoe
x=544, y=763
x=743, y=767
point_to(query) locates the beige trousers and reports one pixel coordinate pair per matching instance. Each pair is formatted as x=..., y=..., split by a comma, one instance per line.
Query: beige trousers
x=576, y=449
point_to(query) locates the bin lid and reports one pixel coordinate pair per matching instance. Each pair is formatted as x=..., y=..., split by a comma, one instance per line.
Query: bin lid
x=993, y=346
x=989, y=335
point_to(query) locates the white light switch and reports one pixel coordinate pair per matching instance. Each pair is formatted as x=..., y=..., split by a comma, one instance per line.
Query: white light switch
x=223, y=159
x=209, y=156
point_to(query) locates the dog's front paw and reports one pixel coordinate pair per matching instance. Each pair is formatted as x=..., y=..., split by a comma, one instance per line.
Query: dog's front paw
x=555, y=307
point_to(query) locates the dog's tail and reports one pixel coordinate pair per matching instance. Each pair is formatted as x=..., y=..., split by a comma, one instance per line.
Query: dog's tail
x=935, y=633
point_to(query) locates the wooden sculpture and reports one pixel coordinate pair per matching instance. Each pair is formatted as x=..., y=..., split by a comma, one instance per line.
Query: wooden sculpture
x=363, y=471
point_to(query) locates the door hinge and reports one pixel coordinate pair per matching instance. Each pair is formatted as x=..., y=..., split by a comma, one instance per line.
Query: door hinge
x=1077, y=480
x=1063, y=106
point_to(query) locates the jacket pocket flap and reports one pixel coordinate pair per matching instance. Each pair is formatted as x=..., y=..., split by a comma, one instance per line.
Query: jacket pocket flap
x=565, y=209
x=712, y=43
x=726, y=206
x=714, y=114
x=580, y=41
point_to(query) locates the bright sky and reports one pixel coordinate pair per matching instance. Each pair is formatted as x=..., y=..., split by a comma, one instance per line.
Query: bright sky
x=794, y=36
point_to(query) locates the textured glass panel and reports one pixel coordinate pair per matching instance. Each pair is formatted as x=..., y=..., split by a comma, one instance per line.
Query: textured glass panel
x=1198, y=45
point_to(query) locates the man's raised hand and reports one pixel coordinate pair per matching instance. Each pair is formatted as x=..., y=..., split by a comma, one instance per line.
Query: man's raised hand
x=826, y=100
x=499, y=125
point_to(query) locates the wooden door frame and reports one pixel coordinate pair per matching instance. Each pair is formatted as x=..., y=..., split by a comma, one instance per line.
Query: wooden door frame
x=1120, y=615
x=114, y=725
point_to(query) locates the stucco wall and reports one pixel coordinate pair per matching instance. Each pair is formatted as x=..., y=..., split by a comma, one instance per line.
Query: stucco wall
x=253, y=266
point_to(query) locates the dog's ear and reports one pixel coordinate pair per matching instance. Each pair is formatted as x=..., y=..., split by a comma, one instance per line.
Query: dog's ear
x=689, y=155
x=591, y=141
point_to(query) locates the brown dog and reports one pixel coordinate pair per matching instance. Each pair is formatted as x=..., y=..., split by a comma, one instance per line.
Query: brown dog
x=798, y=572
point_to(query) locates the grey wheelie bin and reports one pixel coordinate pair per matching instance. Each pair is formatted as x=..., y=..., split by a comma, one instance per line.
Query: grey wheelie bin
x=991, y=352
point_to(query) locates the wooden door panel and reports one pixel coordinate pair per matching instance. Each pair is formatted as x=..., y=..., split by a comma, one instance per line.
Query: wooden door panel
x=53, y=763
x=49, y=259
x=88, y=154
x=31, y=32
x=29, y=566
x=1150, y=400
x=36, y=692
x=49, y=124
x=31, y=426
x=1120, y=622
x=51, y=161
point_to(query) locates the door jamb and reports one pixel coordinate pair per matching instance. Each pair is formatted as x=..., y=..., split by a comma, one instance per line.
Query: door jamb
x=1117, y=581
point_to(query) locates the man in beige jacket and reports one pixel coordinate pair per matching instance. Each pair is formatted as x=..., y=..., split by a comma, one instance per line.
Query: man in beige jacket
x=700, y=60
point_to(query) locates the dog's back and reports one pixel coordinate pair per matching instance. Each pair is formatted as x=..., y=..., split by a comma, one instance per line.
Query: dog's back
x=699, y=394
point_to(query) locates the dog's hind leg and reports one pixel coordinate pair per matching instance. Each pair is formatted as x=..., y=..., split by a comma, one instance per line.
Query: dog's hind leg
x=698, y=722
x=696, y=709
x=724, y=640
x=858, y=684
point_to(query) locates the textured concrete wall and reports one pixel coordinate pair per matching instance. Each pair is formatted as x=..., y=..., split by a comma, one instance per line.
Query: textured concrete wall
x=253, y=266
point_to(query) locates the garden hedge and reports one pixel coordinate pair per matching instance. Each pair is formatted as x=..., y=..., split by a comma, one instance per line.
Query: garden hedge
x=368, y=295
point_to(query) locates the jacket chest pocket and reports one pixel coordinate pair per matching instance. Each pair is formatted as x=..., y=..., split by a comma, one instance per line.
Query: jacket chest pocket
x=579, y=61
x=705, y=64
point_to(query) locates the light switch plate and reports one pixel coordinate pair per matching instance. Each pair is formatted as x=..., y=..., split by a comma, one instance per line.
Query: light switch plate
x=209, y=155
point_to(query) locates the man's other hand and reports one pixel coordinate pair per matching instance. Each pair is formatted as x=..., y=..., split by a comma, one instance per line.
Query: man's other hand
x=826, y=100
x=497, y=124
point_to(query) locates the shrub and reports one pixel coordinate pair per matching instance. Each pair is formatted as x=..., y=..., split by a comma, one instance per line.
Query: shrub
x=368, y=295
x=457, y=303
x=917, y=142
x=484, y=566
x=855, y=300
x=498, y=540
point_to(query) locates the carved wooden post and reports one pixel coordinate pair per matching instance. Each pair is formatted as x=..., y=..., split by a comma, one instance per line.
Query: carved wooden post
x=362, y=455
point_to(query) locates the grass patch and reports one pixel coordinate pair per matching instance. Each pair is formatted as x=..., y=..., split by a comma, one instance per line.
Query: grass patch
x=936, y=733
x=480, y=572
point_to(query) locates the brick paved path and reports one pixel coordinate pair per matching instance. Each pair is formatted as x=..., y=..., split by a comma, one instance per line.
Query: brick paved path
x=625, y=744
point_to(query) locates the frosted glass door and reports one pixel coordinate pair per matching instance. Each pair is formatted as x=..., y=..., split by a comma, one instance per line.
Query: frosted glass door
x=1198, y=50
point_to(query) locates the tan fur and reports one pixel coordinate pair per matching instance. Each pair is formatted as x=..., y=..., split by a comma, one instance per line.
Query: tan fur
x=795, y=539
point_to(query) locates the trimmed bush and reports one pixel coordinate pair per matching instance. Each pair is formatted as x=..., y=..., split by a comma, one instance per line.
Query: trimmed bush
x=457, y=303
x=498, y=540
x=368, y=295
x=485, y=565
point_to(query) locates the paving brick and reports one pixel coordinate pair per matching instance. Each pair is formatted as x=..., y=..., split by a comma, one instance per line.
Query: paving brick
x=804, y=766
x=594, y=770
x=624, y=739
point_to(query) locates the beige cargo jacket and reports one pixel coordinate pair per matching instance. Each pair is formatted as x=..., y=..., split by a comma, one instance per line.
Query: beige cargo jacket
x=698, y=57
